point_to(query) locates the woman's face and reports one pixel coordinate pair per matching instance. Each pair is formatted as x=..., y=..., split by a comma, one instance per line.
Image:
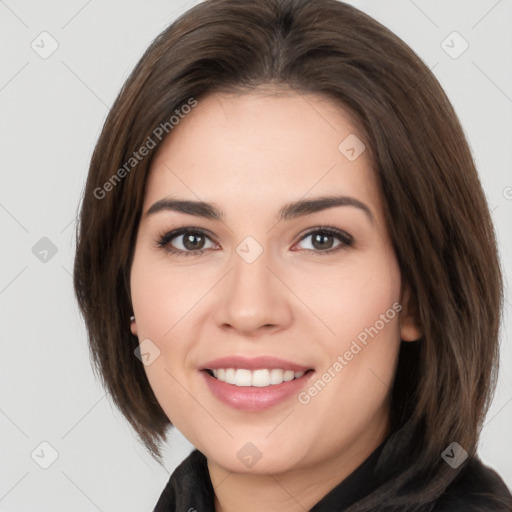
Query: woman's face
x=268, y=285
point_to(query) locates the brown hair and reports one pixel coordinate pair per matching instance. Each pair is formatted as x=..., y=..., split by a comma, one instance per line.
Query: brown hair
x=435, y=208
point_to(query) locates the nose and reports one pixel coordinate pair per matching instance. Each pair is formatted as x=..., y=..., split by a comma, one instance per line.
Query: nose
x=252, y=299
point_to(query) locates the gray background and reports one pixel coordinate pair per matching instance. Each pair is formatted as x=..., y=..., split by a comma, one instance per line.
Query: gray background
x=52, y=111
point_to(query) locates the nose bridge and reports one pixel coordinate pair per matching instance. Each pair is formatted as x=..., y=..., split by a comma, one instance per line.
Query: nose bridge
x=250, y=273
x=252, y=297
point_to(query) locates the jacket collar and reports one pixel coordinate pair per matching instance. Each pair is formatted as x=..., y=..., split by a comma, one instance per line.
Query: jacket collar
x=190, y=487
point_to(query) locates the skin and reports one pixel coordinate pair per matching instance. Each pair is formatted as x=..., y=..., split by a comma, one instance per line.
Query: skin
x=251, y=154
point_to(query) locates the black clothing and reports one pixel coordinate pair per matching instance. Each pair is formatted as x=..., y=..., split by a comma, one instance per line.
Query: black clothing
x=190, y=489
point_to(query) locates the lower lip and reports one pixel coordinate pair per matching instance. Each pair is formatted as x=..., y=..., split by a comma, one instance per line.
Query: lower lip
x=254, y=398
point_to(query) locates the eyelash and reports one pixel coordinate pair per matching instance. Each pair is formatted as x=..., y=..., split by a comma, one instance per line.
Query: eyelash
x=164, y=239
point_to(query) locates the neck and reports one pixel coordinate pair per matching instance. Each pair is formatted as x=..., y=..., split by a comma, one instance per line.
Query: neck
x=295, y=490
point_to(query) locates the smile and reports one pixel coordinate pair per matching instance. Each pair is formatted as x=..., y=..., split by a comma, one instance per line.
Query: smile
x=253, y=397
x=256, y=378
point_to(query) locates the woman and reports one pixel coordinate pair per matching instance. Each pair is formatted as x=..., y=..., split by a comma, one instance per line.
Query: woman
x=285, y=252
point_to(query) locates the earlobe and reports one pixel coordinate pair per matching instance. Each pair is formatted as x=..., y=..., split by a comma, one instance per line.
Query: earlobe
x=409, y=322
x=409, y=331
x=133, y=326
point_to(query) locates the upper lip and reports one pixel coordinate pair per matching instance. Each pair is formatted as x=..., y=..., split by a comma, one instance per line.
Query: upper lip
x=254, y=363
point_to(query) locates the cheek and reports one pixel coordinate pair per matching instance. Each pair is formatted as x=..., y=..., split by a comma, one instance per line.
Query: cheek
x=360, y=305
x=161, y=300
x=165, y=383
x=351, y=298
x=161, y=296
x=352, y=389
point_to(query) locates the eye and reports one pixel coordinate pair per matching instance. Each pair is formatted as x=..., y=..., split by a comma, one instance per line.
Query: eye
x=322, y=240
x=194, y=241
x=185, y=241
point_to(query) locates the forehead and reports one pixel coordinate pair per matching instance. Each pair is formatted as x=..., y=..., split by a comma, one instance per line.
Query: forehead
x=258, y=148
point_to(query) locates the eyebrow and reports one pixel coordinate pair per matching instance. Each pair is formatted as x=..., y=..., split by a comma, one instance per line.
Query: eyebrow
x=287, y=212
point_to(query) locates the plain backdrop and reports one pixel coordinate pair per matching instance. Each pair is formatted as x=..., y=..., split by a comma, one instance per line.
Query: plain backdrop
x=51, y=113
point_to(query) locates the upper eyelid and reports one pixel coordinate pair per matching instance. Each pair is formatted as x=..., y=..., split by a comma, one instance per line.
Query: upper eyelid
x=176, y=233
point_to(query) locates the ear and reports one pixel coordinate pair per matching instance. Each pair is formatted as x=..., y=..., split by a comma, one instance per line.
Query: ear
x=409, y=322
x=133, y=327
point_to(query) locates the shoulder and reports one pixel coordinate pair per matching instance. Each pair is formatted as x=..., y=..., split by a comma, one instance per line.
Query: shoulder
x=476, y=488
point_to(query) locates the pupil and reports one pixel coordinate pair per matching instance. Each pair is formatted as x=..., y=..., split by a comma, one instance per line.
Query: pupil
x=319, y=241
x=189, y=242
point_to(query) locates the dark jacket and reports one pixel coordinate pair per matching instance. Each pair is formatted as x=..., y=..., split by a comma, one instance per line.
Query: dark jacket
x=476, y=488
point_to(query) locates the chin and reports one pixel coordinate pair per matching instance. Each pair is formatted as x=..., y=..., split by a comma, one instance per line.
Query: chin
x=251, y=460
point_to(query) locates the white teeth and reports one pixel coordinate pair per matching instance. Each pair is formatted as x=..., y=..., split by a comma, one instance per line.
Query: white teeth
x=260, y=378
x=289, y=375
x=230, y=375
x=276, y=376
x=243, y=378
x=257, y=378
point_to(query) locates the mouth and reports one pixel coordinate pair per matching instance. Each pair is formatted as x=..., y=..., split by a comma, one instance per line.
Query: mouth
x=258, y=389
x=255, y=383
x=259, y=378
